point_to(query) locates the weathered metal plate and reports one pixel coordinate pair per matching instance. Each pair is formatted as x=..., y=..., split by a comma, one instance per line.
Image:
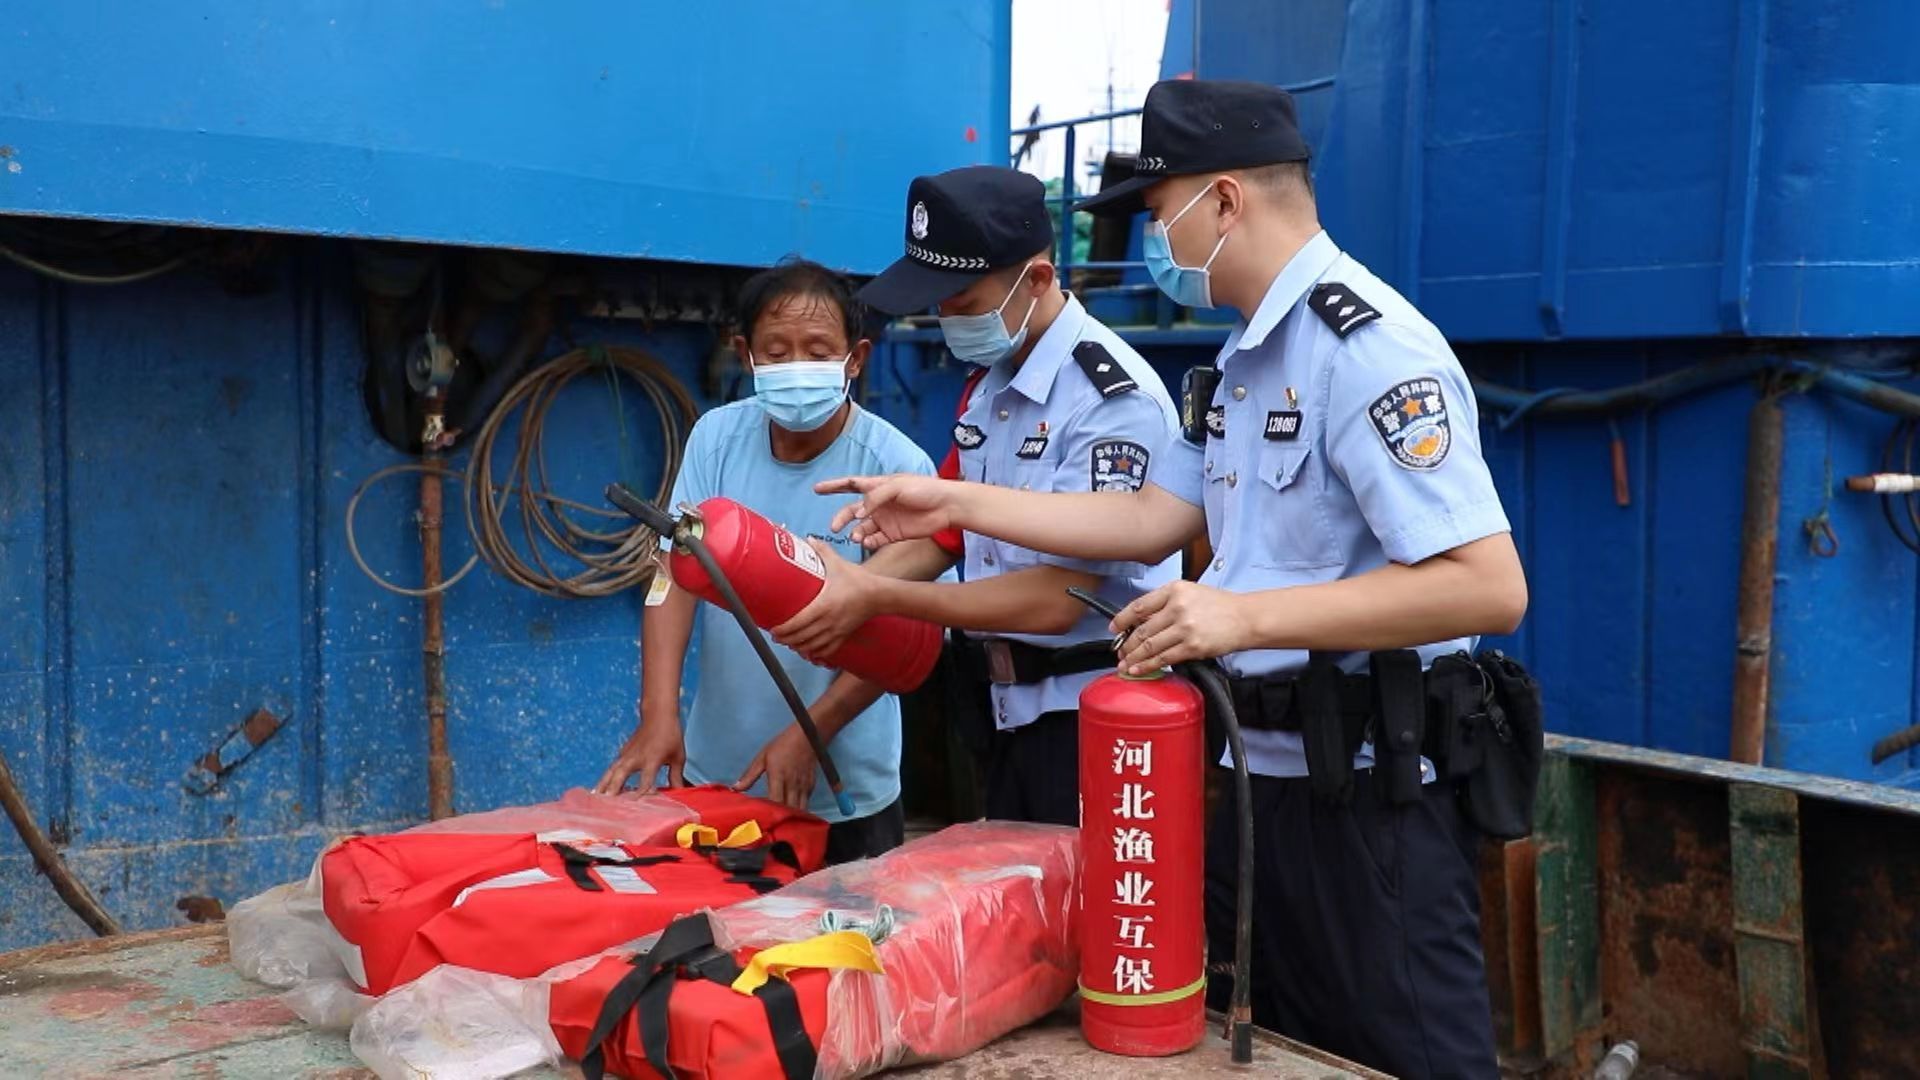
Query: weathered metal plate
x=1667, y=970
x=169, y=1004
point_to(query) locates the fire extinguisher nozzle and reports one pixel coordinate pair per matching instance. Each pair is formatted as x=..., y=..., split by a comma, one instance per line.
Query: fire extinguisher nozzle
x=653, y=517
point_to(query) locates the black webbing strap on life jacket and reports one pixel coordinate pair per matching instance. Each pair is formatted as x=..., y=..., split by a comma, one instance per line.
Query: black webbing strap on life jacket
x=744, y=865
x=686, y=950
x=579, y=863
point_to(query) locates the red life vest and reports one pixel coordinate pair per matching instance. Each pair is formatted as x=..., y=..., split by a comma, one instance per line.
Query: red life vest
x=670, y=1011
x=984, y=940
x=518, y=905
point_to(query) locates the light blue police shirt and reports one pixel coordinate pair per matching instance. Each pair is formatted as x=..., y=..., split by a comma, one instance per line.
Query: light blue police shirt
x=736, y=707
x=1337, y=444
x=1050, y=426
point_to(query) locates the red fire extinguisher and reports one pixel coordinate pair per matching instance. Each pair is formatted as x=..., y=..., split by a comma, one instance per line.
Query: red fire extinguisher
x=1142, y=918
x=1142, y=935
x=777, y=574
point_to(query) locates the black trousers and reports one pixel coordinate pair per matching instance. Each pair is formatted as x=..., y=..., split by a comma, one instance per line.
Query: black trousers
x=1032, y=773
x=1366, y=927
x=865, y=837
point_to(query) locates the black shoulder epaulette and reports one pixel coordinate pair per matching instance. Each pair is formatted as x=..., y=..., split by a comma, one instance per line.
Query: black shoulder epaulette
x=1342, y=311
x=1108, y=376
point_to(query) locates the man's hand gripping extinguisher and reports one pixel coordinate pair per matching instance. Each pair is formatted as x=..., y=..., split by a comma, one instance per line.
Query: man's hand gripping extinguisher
x=686, y=536
x=1166, y=714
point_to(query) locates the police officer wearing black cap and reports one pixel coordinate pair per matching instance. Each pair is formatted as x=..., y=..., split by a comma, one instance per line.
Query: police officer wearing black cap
x=1060, y=404
x=1332, y=458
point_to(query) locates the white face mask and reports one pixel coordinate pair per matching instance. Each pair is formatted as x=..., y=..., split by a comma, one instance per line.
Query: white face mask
x=1188, y=286
x=800, y=395
x=983, y=339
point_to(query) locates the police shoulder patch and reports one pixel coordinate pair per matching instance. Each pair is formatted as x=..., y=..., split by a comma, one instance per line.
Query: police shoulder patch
x=1411, y=419
x=1102, y=369
x=968, y=436
x=1119, y=465
x=1342, y=311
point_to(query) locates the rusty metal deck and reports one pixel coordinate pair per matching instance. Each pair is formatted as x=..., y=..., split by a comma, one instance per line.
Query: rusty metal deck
x=168, y=1004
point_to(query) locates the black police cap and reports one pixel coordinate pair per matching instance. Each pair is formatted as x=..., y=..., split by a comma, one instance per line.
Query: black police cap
x=1199, y=126
x=962, y=225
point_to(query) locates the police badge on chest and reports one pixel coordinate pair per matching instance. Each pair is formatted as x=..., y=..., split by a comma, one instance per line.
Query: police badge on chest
x=1119, y=465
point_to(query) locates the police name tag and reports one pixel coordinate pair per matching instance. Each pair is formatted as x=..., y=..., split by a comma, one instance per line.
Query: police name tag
x=1283, y=425
x=1032, y=447
x=1119, y=465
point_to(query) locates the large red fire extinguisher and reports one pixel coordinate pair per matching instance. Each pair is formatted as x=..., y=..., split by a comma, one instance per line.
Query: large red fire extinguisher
x=1142, y=891
x=776, y=575
x=1142, y=932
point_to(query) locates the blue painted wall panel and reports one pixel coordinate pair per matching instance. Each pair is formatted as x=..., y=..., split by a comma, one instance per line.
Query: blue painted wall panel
x=654, y=130
x=200, y=568
x=1699, y=446
x=1716, y=158
x=1844, y=653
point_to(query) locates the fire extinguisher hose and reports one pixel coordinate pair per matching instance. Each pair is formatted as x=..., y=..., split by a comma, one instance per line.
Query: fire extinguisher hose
x=1213, y=685
x=667, y=525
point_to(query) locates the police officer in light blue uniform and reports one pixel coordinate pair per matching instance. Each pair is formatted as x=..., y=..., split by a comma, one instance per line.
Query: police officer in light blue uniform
x=1063, y=405
x=1083, y=412
x=1359, y=550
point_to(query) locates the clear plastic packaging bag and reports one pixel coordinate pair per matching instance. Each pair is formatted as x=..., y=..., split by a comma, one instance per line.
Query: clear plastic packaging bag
x=983, y=941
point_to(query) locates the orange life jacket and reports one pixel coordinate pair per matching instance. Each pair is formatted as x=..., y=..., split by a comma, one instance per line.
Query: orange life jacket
x=518, y=905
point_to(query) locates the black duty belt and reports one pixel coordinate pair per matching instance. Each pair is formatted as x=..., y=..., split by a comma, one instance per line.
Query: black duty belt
x=1017, y=663
x=1452, y=687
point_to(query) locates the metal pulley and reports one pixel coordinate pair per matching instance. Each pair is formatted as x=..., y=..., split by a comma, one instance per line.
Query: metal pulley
x=430, y=365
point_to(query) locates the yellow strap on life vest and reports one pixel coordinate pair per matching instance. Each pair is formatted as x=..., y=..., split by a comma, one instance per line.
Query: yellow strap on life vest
x=839, y=949
x=694, y=834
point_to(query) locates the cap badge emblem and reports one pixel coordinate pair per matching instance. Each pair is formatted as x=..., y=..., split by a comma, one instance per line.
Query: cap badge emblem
x=919, y=221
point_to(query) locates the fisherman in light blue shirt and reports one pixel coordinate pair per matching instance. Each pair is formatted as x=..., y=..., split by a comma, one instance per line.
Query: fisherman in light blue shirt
x=800, y=334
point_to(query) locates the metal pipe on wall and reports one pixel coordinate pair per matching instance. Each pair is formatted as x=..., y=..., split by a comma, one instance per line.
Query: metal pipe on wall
x=433, y=619
x=1759, y=543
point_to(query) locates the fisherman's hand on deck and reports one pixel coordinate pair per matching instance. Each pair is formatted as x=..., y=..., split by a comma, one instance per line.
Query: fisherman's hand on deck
x=654, y=745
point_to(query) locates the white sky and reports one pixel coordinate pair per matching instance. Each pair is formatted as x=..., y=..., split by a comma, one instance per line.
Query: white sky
x=1065, y=54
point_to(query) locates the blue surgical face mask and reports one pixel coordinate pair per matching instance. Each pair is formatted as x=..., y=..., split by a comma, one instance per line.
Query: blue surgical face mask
x=800, y=395
x=983, y=339
x=1189, y=286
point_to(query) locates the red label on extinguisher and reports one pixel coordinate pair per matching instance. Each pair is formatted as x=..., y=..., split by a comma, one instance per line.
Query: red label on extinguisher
x=799, y=554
